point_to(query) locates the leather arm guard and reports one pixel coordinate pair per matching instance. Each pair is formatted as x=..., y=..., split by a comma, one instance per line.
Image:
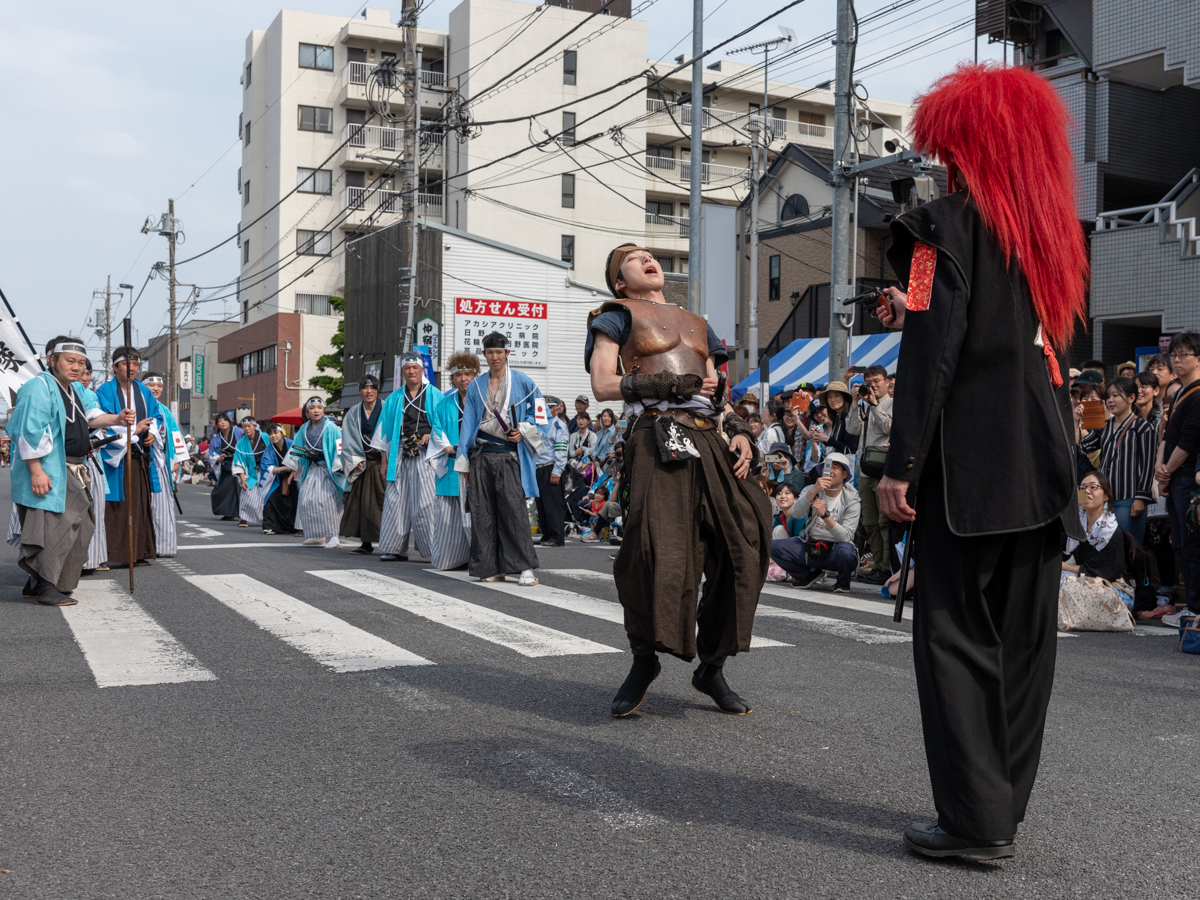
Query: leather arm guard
x=733, y=425
x=660, y=386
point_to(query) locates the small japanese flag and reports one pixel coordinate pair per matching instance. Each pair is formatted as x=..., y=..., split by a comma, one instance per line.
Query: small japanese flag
x=541, y=413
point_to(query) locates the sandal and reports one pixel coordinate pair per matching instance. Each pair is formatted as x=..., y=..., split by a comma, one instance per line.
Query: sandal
x=1158, y=612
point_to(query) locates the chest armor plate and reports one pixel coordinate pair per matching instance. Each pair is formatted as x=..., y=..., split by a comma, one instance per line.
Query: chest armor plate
x=663, y=338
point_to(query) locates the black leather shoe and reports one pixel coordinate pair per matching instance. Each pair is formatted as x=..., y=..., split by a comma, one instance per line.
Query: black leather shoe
x=928, y=839
x=633, y=691
x=710, y=680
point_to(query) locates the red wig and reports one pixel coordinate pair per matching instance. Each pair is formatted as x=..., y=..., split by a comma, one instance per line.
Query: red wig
x=1004, y=132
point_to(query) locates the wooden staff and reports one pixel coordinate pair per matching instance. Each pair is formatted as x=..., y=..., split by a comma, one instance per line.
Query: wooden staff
x=128, y=455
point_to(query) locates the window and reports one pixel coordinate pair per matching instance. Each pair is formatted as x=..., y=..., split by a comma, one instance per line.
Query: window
x=245, y=312
x=239, y=179
x=246, y=368
x=316, y=57
x=247, y=134
x=810, y=118
x=314, y=181
x=246, y=251
x=795, y=207
x=314, y=304
x=568, y=136
x=667, y=263
x=258, y=362
x=240, y=124
x=569, y=59
x=313, y=243
x=248, y=65
x=246, y=194
x=773, y=278
x=568, y=191
x=568, y=248
x=656, y=209
x=316, y=118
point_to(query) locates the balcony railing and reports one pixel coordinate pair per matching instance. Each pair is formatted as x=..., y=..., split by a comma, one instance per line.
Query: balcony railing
x=715, y=117
x=356, y=73
x=710, y=172
x=430, y=79
x=376, y=137
x=666, y=226
x=371, y=200
x=431, y=201
x=660, y=162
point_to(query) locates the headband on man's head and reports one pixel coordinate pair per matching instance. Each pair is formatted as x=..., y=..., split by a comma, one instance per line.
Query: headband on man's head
x=250, y=419
x=614, y=264
x=368, y=380
x=69, y=347
x=411, y=359
x=454, y=370
x=132, y=358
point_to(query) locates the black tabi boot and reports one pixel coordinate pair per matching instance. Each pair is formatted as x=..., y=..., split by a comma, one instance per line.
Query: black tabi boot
x=645, y=669
x=30, y=589
x=710, y=679
x=48, y=595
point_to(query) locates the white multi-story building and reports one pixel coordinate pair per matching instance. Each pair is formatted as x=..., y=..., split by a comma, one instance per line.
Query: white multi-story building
x=618, y=167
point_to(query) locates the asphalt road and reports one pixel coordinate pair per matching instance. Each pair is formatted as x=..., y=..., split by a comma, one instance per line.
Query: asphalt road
x=230, y=755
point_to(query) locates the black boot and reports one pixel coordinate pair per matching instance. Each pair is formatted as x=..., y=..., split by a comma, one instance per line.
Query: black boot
x=710, y=679
x=645, y=669
x=48, y=595
x=30, y=589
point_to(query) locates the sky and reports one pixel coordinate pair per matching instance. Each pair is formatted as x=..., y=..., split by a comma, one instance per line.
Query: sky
x=114, y=108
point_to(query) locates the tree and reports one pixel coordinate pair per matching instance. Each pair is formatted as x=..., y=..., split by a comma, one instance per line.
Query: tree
x=333, y=362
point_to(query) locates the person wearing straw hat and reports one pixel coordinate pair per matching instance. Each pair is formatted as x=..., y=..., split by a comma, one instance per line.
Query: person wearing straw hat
x=49, y=474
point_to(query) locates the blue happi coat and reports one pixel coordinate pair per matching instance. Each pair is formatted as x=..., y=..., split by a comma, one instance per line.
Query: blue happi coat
x=330, y=437
x=523, y=393
x=109, y=397
x=391, y=422
x=36, y=428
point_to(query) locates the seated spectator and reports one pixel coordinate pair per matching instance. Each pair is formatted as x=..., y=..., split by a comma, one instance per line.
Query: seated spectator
x=827, y=541
x=1102, y=555
x=780, y=467
x=785, y=525
x=604, y=512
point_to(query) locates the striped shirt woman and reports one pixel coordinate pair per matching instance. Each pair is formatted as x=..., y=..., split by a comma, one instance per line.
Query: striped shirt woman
x=1127, y=445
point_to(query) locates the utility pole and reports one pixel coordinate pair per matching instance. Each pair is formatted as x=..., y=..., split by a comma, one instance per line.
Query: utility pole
x=839, y=270
x=107, y=326
x=409, y=168
x=172, y=230
x=695, y=198
x=756, y=128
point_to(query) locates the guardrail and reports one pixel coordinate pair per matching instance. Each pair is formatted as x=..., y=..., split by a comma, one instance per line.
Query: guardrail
x=674, y=226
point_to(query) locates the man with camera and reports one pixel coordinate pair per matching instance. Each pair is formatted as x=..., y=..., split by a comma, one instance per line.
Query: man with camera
x=827, y=541
x=873, y=425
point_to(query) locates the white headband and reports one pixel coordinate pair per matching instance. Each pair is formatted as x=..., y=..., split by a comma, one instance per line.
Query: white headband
x=458, y=369
x=153, y=379
x=69, y=348
x=121, y=359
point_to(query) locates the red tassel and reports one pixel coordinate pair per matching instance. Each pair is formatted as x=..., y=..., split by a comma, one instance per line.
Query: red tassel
x=1051, y=362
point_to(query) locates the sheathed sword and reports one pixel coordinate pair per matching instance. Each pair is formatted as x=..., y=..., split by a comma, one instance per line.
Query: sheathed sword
x=902, y=588
x=128, y=452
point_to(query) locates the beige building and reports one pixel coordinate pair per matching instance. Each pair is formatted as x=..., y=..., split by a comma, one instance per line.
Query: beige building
x=609, y=174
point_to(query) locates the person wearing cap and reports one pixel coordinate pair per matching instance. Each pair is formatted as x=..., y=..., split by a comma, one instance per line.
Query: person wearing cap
x=363, y=466
x=836, y=398
x=498, y=442
x=1127, y=369
x=691, y=511
x=781, y=466
x=832, y=508
x=403, y=433
x=168, y=455
x=451, y=529
x=581, y=406
x=317, y=461
x=551, y=463
x=51, y=486
x=221, y=450
x=247, y=469
x=126, y=392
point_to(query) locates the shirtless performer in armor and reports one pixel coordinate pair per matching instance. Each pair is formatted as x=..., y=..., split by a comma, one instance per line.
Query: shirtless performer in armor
x=690, y=511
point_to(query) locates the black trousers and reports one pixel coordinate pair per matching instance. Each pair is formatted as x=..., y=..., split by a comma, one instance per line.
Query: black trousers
x=984, y=642
x=500, y=540
x=551, y=506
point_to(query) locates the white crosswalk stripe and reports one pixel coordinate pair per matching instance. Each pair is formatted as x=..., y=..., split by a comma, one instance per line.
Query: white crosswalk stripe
x=526, y=638
x=576, y=603
x=122, y=643
x=333, y=643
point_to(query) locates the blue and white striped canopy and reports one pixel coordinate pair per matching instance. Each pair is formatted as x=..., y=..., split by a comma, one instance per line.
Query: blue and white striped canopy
x=807, y=359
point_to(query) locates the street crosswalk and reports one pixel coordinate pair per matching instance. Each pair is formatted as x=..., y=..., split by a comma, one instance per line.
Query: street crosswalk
x=124, y=645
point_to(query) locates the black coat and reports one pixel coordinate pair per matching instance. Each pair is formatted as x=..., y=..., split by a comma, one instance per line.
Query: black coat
x=972, y=379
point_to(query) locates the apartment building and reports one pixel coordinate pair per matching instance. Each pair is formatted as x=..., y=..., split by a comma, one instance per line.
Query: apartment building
x=198, y=343
x=610, y=168
x=1129, y=71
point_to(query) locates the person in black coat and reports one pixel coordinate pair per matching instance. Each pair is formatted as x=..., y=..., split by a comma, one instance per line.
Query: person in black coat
x=1102, y=553
x=993, y=283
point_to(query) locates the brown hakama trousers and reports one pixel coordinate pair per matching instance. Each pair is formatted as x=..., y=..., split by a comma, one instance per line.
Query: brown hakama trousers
x=687, y=520
x=116, y=516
